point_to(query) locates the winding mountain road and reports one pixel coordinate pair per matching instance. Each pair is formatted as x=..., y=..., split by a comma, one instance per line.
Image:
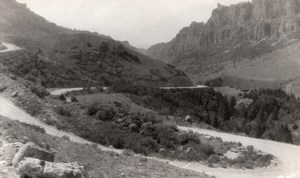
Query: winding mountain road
x=287, y=155
x=10, y=47
x=9, y=110
x=287, y=165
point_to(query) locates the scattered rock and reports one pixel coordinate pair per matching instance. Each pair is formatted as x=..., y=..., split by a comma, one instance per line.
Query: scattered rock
x=180, y=149
x=10, y=150
x=33, y=151
x=2, y=87
x=66, y=137
x=245, y=102
x=188, y=118
x=15, y=94
x=162, y=151
x=24, y=139
x=127, y=152
x=31, y=167
x=189, y=150
x=143, y=159
x=133, y=127
x=9, y=138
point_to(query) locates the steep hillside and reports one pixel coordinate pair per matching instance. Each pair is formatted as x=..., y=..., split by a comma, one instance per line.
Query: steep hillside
x=243, y=31
x=17, y=19
x=79, y=58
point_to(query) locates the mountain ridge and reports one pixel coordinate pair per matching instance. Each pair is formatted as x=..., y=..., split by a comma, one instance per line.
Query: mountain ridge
x=243, y=30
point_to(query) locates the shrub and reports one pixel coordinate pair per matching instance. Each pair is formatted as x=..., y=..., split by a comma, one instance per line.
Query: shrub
x=295, y=127
x=92, y=109
x=63, y=111
x=88, y=44
x=240, y=160
x=34, y=127
x=106, y=113
x=213, y=158
x=167, y=137
x=250, y=148
x=188, y=137
x=140, y=144
x=39, y=90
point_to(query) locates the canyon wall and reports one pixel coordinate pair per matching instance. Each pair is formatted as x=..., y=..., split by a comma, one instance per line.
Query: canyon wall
x=232, y=25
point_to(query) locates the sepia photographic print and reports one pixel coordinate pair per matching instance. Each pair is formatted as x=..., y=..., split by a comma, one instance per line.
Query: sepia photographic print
x=149, y=89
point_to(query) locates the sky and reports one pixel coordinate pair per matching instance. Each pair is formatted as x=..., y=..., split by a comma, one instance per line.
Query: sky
x=141, y=22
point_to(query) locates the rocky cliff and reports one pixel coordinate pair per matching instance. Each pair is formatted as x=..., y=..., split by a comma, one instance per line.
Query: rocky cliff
x=248, y=26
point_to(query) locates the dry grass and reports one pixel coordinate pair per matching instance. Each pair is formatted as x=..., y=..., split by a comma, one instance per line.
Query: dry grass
x=273, y=70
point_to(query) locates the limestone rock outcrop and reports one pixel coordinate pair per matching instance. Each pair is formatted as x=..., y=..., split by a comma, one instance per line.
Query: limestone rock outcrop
x=33, y=151
x=34, y=168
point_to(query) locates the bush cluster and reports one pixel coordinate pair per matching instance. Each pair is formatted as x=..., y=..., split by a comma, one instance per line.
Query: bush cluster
x=39, y=90
x=142, y=133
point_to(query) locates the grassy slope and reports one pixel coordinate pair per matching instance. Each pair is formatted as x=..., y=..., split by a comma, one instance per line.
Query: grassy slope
x=274, y=70
x=99, y=164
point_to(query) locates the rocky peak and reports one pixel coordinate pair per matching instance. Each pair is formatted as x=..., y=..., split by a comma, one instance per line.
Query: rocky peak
x=195, y=29
x=233, y=14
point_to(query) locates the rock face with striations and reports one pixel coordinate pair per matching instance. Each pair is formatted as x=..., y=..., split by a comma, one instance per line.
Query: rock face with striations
x=246, y=23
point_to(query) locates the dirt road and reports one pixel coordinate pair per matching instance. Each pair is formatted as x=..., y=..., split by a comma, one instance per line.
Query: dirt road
x=10, y=47
x=9, y=110
x=288, y=158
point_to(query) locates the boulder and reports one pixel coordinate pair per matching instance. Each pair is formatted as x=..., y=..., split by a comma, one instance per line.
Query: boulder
x=34, y=151
x=133, y=127
x=188, y=118
x=34, y=168
x=10, y=150
x=15, y=94
x=2, y=87
x=143, y=159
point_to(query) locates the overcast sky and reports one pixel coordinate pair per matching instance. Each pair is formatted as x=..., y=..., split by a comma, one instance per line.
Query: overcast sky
x=141, y=22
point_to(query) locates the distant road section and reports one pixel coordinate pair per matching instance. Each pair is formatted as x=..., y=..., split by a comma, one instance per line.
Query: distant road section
x=59, y=91
x=10, y=47
x=192, y=87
